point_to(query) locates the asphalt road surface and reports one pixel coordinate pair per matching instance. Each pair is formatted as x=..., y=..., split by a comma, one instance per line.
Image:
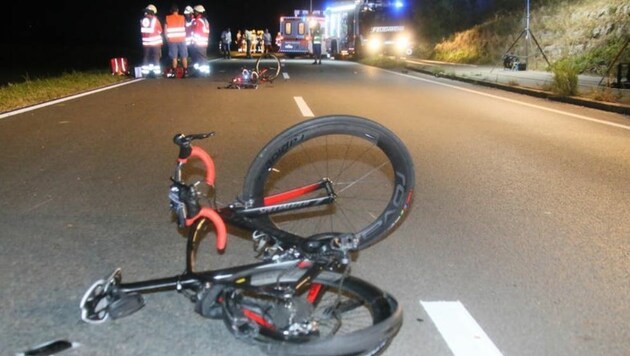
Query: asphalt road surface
x=520, y=223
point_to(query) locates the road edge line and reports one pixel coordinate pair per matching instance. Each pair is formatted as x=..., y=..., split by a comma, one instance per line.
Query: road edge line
x=66, y=98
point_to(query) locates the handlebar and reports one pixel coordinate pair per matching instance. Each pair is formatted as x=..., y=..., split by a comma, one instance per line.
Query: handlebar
x=184, y=142
x=187, y=150
x=185, y=196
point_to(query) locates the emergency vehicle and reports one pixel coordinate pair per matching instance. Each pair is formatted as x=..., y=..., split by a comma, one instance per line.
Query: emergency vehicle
x=360, y=27
x=295, y=31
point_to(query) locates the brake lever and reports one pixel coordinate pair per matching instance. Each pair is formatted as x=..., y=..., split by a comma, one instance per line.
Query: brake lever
x=201, y=136
x=184, y=140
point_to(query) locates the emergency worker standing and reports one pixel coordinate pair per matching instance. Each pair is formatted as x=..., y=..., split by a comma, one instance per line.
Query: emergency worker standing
x=317, y=44
x=279, y=39
x=226, y=41
x=188, y=15
x=267, y=41
x=200, y=36
x=248, y=43
x=239, y=41
x=175, y=29
x=151, y=30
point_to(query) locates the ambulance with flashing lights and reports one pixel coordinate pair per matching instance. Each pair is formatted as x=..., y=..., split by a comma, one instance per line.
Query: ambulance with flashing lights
x=295, y=32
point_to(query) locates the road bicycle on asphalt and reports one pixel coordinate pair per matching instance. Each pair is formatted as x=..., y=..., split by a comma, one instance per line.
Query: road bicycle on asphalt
x=317, y=192
x=267, y=68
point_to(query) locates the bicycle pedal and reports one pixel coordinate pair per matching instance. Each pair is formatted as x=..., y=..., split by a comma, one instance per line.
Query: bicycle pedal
x=125, y=304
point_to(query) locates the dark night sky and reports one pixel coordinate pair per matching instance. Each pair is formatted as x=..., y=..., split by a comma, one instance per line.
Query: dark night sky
x=117, y=21
x=73, y=35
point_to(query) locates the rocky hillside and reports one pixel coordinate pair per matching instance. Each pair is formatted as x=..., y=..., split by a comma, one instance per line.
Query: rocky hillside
x=588, y=32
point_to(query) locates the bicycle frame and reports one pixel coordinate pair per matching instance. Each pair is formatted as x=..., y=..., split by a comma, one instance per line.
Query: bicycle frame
x=207, y=286
x=302, y=280
x=195, y=280
x=238, y=214
x=250, y=78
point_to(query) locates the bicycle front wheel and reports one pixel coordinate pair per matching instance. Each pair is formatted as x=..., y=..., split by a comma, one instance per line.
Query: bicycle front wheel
x=336, y=316
x=369, y=170
x=268, y=66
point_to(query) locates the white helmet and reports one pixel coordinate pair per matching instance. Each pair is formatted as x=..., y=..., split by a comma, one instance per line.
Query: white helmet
x=188, y=10
x=151, y=7
x=200, y=8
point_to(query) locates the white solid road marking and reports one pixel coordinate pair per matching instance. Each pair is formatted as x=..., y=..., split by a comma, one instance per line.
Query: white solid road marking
x=57, y=101
x=306, y=111
x=460, y=331
x=577, y=116
x=285, y=75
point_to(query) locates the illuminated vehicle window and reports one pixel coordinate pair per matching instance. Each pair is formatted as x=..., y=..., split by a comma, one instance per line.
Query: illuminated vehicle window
x=301, y=28
x=287, y=28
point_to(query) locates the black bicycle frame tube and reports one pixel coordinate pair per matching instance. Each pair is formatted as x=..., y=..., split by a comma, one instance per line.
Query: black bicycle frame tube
x=274, y=204
x=234, y=218
x=239, y=275
x=279, y=208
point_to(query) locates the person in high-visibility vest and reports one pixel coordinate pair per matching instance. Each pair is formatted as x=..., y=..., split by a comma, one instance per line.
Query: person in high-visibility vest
x=200, y=38
x=188, y=14
x=279, y=39
x=175, y=30
x=151, y=30
x=317, y=44
x=248, y=41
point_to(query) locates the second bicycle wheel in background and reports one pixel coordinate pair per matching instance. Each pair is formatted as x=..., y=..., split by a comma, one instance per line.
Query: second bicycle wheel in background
x=370, y=169
x=268, y=66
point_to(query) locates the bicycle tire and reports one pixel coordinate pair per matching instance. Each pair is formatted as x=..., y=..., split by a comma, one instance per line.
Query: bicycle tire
x=268, y=66
x=352, y=316
x=371, y=170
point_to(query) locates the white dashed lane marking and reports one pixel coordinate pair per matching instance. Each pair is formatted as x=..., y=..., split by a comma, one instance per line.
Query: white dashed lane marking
x=306, y=111
x=459, y=329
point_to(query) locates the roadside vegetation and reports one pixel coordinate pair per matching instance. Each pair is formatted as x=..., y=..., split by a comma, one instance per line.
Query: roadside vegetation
x=576, y=36
x=565, y=78
x=588, y=33
x=33, y=91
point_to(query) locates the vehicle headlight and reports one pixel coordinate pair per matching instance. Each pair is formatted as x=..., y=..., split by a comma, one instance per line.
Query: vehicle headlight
x=374, y=44
x=402, y=42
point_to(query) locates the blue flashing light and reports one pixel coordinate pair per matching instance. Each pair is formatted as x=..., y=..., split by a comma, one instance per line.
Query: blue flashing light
x=398, y=4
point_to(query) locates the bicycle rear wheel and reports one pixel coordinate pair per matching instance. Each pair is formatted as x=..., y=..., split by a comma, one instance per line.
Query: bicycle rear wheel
x=370, y=170
x=268, y=66
x=337, y=316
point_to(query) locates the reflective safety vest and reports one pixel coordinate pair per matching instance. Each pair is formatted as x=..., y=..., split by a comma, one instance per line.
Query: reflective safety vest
x=189, y=31
x=175, y=28
x=317, y=37
x=151, y=30
x=200, y=31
